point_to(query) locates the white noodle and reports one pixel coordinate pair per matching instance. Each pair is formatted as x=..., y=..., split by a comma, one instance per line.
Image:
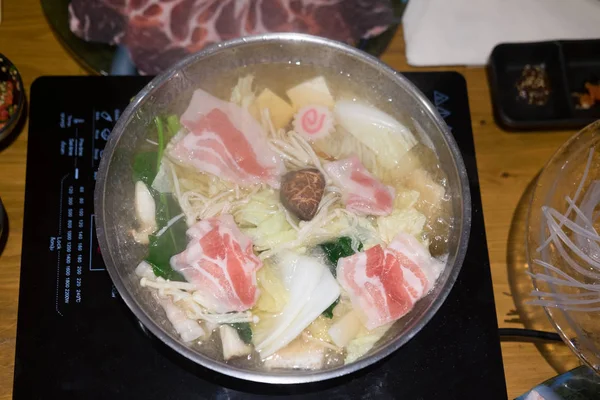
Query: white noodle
x=572, y=225
x=553, y=226
x=582, y=242
x=168, y=225
x=575, y=198
x=161, y=283
x=180, y=294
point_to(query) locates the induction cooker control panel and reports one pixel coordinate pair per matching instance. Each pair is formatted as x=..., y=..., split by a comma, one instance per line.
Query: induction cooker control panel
x=75, y=134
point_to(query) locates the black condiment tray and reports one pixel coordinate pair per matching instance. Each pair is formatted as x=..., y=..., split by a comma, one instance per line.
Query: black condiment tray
x=569, y=65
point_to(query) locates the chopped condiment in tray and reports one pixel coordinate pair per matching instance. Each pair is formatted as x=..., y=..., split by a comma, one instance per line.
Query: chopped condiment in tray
x=7, y=106
x=590, y=98
x=534, y=86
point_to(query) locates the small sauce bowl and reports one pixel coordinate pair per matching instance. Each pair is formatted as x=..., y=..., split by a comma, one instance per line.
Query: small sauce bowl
x=12, y=97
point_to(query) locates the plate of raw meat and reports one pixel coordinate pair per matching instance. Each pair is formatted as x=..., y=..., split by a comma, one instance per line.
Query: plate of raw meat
x=151, y=35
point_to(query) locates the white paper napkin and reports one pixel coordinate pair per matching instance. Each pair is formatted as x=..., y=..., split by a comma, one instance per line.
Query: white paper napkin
x=464, y=32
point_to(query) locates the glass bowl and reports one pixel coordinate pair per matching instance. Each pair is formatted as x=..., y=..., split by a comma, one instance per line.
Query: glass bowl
x=562, y=252
x=170, y=92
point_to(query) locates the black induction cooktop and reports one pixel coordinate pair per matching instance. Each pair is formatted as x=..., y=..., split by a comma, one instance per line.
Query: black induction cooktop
x=77, y=339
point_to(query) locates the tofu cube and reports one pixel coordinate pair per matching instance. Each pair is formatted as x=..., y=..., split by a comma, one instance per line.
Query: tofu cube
x=281, y=111
x=311, y=92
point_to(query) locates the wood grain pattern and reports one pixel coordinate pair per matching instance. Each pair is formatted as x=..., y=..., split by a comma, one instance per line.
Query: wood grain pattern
x=507, y=162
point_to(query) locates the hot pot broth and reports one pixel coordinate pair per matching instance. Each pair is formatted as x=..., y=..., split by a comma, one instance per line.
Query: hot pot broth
x=291, y=217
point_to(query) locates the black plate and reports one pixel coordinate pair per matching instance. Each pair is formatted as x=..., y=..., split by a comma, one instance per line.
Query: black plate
x=569, y=65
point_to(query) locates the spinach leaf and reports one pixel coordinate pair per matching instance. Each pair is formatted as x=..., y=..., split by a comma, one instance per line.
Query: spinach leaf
x=339, y=248
x=172, y=241
x=328, y=313
x=167, y=207
x=144, y=167
x=147, y=163
x=163, y=247
x=244, y=331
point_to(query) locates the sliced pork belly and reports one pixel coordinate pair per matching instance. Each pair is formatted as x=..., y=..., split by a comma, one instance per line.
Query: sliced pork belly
x=362, y=192
x=384, y=284
x=375, y=284
x=226, y=141
x=220, y=261
x=420, y=270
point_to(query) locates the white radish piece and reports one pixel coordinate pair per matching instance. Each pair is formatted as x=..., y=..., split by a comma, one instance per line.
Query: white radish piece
x=144, y=270
x=232, y=345
x=299, y=354
x=346, y=329
x=188, y=329
x=145, y=211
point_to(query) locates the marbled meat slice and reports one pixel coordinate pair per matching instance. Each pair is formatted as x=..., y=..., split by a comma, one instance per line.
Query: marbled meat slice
x=159, y=33
x=375, y=284
x=361, y=192
x=419, y=268
x=384, y=284
x=220, y=261
x=226, y=141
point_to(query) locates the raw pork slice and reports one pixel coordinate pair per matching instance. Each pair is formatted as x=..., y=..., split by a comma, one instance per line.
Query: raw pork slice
x=226, y=141
x=362, y=192
x=220, y=261
x=384, y=284
x=419, y=268
x=158, y=33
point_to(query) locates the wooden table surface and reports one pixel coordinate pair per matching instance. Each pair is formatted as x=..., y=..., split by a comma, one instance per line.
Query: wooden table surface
x=507, y=163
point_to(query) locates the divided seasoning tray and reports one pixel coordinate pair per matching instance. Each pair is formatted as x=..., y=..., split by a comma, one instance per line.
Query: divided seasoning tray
x=545, y=85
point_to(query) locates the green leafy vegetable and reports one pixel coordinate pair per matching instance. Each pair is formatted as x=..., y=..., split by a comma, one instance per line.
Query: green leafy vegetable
x=163, y=247
x=167, y=207
x=144, y=167
x=328, y=313
x=244, y=331
x=339, y=248
x=334, y=250
x=147, y=163
x=172, y=241
x=161, y=141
